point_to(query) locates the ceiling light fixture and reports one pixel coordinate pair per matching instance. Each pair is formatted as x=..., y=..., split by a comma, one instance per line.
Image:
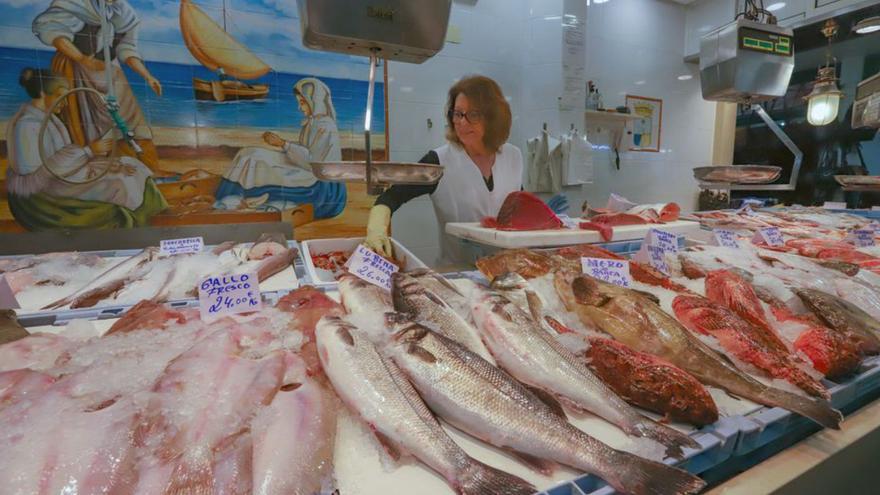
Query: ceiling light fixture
x=823, y=102
x=685, y=77
x=773, y=7
x=868, y=25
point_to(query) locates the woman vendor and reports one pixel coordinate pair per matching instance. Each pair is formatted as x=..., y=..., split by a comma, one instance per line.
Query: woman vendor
x=480, y=168
x=125, y=196
x=73, y=27
x=280, y=180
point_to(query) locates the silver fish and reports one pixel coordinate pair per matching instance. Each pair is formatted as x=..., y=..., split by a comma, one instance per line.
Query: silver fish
x=455, y=297
x=374, y=387
x=108, y=282
x=480, y=399
x=366, y=304
x=536, y=358
x=424, y=305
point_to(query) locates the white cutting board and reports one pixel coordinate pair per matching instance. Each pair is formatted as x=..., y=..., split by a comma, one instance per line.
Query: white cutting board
x=560, y=237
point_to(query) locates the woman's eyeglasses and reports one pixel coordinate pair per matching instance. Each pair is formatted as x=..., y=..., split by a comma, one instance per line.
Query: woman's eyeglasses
x=473, y=117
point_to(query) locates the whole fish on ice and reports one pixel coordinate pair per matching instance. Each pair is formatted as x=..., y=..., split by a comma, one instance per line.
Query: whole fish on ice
x=641, y=324
x=528, y=352
x=478, y=398
x=374, y=387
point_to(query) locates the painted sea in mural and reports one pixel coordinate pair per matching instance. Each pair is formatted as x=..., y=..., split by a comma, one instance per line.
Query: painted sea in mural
x=178, y=108
x=227, y=105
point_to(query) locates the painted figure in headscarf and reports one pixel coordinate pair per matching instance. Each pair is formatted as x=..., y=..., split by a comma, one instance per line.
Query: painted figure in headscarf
x=124, y=196
x=281, y=180
x=73, y=27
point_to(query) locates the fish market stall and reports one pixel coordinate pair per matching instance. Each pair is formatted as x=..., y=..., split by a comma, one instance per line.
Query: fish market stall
x=308, y=353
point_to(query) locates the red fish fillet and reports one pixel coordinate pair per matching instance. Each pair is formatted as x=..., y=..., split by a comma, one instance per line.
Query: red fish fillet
x=604, y=230
x=523, y=210
x=743, y=341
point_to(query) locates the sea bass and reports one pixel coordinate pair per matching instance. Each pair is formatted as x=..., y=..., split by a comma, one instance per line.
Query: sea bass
x=743, y=340
x=366, y=303
x=641, y=324
x=423, y=305
x=529, y=353
x=478, y=398
x=374, y=387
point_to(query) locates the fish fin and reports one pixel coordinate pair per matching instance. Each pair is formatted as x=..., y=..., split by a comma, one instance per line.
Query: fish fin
x=645, y=477
x=193, y=475
x=549, y=400
x=536, y=307
x=421, y=353
x=648, y=295
x=479, y=479
x=557, y=326
x=427, y=272
x=818, y=410
x=390, y=446
x=672, y=439
x=543, y=466
x=586, y=291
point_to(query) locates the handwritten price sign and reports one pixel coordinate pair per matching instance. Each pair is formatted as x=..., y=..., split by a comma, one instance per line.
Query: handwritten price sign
x=771, y=235
x=725, y=238
x=229, y=295
x=612, y=271
x=861, y=237
x=655, y=247
x=369, y=266
x=186, y=245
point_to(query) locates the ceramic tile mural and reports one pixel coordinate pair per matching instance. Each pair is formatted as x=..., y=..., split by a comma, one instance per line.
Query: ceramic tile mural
x=224, y=104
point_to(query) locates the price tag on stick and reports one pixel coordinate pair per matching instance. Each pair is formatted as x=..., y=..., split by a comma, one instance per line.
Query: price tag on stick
x=612, y=271
x=371, y=267
x=228, y=295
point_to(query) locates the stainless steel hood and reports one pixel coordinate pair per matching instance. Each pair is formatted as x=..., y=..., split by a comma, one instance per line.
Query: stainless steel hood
x=403, y=30
x=746, y=62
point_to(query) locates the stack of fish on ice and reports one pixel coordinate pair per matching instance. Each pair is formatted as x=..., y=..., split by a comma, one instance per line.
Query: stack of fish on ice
x=80, y=280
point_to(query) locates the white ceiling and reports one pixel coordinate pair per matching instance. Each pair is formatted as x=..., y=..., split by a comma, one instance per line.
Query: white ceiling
x=684, y=2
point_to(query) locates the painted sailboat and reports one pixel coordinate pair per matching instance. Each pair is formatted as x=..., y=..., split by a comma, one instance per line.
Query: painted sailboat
x=215, y=49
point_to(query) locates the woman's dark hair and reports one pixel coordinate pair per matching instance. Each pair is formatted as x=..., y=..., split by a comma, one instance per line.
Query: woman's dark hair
x=37, y=81
x=486, y=97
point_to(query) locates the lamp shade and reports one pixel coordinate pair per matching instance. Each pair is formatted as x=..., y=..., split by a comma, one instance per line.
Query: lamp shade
x=823, y=102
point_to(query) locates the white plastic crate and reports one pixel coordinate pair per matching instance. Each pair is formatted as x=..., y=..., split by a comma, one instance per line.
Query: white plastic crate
x=324, y=278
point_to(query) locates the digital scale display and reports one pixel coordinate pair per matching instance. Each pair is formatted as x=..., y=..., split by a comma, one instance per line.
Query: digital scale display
x=765, y=42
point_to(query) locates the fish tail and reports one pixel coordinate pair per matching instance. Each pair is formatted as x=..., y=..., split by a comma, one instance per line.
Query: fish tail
x=818, y=410
x=193, y=475
x=673, y=440
x=480, y=479
x=638, y=476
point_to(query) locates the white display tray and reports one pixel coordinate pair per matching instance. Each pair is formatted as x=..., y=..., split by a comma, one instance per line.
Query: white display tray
x=560, y=237
x=324, y=278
